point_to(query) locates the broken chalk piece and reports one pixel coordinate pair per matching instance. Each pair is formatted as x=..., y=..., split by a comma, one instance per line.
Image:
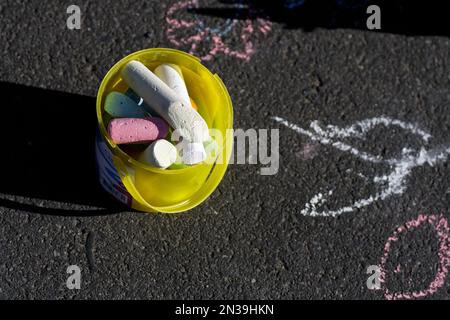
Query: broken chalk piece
x=137, y=130
x=160, y=154
x=191, y=152
x=166, y=102
x=172, y=76
x=118, y=105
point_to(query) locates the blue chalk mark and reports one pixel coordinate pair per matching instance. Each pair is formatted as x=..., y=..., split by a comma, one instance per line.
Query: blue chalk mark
x=224, y=29
x=348, y=4
x=293, y=4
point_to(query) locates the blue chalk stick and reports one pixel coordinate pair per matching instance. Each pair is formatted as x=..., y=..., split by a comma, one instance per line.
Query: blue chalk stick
x=118, y=105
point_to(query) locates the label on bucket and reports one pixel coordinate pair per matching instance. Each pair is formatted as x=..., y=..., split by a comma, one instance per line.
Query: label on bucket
x=107, y=173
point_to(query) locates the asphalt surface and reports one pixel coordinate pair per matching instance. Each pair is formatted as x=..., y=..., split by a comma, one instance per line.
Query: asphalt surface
x=250, y=239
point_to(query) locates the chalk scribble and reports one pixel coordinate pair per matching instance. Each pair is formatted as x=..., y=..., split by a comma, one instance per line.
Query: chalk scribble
x=394, y=183
x=293, y=4
x=233, y=37
x=440, y=225
x=348, y=4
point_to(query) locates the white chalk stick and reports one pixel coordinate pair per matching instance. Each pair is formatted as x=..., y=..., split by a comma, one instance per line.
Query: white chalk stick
x=172, y=76
x=191, y=152
x=186, y=120
x=160, y=154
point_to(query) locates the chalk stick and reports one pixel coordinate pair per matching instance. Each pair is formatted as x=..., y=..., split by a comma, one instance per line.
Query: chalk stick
x=118, y=105
x=211, y=149
x=136, y=130
x=172, y=76
x=160, y=154
x=187, y=121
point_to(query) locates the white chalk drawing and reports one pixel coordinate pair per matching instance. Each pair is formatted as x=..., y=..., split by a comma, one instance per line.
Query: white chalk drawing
x=392, y=184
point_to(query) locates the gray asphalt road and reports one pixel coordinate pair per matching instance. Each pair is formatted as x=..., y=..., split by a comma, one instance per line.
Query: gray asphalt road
x=256, y=237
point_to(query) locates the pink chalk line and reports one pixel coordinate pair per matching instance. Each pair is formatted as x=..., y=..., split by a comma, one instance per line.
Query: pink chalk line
x=209, y=39
x=440, y=225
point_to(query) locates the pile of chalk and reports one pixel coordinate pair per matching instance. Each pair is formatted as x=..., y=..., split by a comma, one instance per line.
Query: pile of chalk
x=156, y=105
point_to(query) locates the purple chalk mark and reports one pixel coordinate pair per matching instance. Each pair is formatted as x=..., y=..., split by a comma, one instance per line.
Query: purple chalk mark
x=308, y=151
x=216, y=41
x=440, y=225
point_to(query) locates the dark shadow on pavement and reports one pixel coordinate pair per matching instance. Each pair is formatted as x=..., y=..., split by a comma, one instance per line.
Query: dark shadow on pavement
x=406, y=17
x=48, y=153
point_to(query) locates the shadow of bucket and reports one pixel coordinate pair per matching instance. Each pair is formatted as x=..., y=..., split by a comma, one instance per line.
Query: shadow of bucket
x=150, y=189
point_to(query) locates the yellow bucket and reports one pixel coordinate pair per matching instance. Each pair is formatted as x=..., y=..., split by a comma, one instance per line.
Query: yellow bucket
x=150, y=189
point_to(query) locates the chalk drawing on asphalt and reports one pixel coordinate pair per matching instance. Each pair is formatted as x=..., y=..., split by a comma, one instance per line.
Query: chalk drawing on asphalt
x=440, y=225
x=392, y=184
x=234, y=37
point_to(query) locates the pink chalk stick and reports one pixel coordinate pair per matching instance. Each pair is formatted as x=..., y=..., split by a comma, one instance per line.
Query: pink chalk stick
x=137, y=130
